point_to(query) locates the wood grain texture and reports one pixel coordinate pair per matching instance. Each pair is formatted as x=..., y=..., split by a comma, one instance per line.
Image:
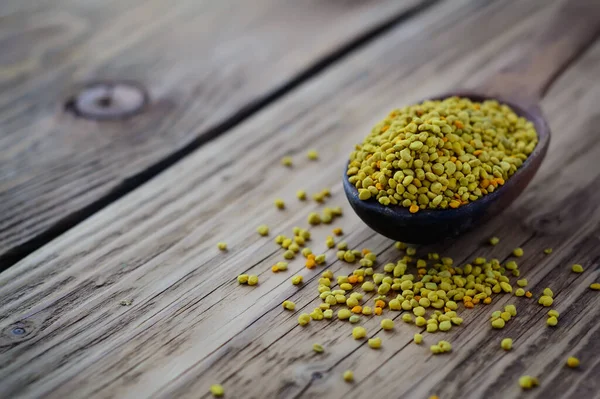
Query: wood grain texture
x=190, y=325
x=573, y=29
x=205, y=65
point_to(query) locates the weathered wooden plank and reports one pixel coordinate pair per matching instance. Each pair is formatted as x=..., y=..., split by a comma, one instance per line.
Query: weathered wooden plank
x=190, y=324
x=480, y=369
x=205, y=65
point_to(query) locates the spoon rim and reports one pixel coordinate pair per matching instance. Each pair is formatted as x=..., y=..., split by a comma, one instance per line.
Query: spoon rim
x=529, y=111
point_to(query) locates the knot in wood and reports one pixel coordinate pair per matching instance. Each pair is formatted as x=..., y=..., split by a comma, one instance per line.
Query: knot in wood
x=109, y=101
x=17, y=332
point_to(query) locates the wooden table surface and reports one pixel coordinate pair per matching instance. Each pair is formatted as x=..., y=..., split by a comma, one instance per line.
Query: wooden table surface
x=112, y=284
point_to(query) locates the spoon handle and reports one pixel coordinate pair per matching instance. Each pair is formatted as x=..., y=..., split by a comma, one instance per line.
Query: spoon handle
x=574, y=28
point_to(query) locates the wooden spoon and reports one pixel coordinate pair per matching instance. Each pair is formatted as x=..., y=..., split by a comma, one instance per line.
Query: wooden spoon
x=520, y=85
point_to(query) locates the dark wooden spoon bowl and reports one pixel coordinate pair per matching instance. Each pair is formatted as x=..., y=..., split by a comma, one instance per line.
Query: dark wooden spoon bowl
x=433, y=225
x=521, y=85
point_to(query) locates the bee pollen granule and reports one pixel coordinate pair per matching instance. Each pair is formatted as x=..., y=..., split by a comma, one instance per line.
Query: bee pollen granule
x=217, y=390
